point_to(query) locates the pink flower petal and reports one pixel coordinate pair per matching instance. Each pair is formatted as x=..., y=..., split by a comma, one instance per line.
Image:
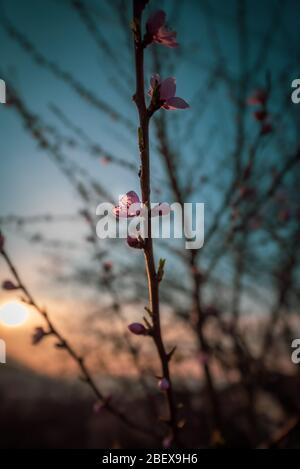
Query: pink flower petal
x=163, y=384
x=137, y=328
x=135, y=243
x=9, y=285
x=175, y=103
x=166, y=38
x=154, y=80
x=155, y=21
x=130, y=197
x=129, y=205
x=168, y=88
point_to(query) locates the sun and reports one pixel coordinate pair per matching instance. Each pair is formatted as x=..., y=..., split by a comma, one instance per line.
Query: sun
x=13, y=314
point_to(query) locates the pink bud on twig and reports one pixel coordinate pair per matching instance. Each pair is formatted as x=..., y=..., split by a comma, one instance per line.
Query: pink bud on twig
x=136, y=243
x=157, y=31
x=129, y=206
x=9, y=285
x=39, y=334
x=163, y=384
x=166, y=90
x=137, y=328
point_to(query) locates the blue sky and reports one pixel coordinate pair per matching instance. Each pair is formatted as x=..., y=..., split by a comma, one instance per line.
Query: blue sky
x=203, y=137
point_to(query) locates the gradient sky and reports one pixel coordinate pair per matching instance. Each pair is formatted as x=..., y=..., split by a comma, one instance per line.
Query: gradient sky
x=29, y=181
x=54, y=27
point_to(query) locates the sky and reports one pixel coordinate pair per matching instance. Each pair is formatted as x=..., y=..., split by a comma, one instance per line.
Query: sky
x=56, y=29
x=31, y=184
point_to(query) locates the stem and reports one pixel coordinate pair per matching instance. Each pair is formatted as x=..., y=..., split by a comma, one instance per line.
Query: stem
x=192, y=264
x=153, y=284
x=204, y=347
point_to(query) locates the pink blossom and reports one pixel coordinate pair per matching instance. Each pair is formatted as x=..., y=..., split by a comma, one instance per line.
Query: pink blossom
x=9, y=285
x=136, y=243
x=129, y=206
x=137, y=328
x=166, y=90
x=163, y=384
x=39, y=334
x=157, y=31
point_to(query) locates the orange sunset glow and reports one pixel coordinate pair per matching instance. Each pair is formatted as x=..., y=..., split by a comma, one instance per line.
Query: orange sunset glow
x=149, y=225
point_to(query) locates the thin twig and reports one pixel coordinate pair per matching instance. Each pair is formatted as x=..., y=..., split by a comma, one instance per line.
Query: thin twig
x=65, y=345
x=153, y=282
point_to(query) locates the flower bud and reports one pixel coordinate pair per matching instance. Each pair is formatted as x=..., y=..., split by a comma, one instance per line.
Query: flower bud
x=39, y=334
x=136, y=243
x=137, y=328
x=9, y=285
x=163, y=384
x=167, y=441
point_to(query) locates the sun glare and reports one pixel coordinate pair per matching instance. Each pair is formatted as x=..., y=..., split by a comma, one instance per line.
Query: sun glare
x=13, y=314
